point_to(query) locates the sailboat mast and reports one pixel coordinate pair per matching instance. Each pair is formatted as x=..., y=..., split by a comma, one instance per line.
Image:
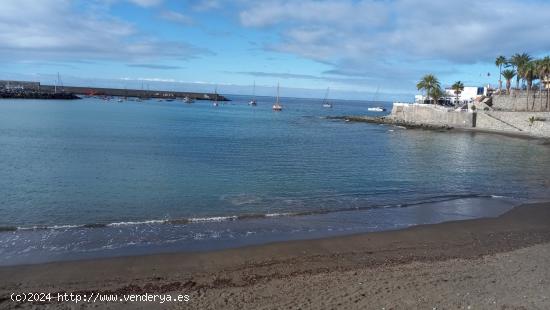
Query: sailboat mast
x=254, y=91
x=326, y=95
x=277, y=93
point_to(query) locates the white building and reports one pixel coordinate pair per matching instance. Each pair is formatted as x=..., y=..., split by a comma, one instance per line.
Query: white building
x=468, y=95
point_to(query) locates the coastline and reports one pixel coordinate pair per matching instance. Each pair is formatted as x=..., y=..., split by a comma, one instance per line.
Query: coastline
x=386, y=120
x=235, y=278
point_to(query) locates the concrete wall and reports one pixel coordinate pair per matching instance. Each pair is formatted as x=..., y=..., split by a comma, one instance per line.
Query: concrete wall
x=431, y=115
x=515, y=122
x=518, y=102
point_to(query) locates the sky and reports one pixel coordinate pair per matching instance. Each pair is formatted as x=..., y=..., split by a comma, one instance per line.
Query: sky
x=361, y=49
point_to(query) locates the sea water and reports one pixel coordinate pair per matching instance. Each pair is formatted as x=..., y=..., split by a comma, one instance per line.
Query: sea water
x=93, y=178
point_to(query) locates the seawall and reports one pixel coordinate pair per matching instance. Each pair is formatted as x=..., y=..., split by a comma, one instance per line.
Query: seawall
x=426, y=114
x=536, y=124
x=520, y=102
x=413, y=115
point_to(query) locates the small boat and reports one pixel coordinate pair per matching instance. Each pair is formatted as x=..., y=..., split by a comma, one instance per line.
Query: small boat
x=216, y=97
x=374, y=98
x=326, y=103
x=186, y=99
x=119, y=100
x=377, y=109
x=277, y=106
x=253, y=101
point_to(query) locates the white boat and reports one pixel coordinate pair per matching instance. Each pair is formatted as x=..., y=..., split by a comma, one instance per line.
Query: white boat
x=119, y=100
x=377, y=109
x=253, y=101
x=277, y=106
x=186, y=99
x=216, y=97
x=326, y=103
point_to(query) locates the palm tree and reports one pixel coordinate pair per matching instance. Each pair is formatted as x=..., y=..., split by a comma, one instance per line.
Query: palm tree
x=543, y=70
x=528, y=73
x=500, y=61
x=518, y=61
x=458, y=87
x=428, y=82
x=437, y=93
x=508, y=74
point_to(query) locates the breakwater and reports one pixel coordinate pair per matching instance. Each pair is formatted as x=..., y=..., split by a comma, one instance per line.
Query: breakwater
x=139, y=93
x=36, y=94
x=35, y=90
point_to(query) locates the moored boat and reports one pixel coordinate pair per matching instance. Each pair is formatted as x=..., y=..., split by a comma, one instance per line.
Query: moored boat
x=253, y=101
x=277, y=106
x=326, y=103
x=377, y=109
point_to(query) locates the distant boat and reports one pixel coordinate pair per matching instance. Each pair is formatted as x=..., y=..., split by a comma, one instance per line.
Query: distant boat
x=277, y=106
x=120, y=100
x=377, y=109
x=326, y=103
x=186, y=99
x=374, y=98
x=253, y=101
x=216, y=97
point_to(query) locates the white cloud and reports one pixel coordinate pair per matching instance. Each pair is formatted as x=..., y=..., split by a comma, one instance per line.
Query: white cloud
x=146, y=3
x=372, y=36
x=65, y=30
x=177, y=17
x=205, y=5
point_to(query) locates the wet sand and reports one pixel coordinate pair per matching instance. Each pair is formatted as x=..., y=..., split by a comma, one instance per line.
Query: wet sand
x=497, y=263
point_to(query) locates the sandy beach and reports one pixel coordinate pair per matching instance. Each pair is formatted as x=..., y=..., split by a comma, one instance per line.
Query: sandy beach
x=495, y=263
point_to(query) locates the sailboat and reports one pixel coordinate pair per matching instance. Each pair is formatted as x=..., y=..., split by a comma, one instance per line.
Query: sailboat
x=326, y=103
x=277, y=106
x=216, y=97
x=253, y=101
x=378, y=108
x=58, y=83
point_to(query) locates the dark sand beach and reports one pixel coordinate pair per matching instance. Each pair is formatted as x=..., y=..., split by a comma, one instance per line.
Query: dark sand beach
x=494, y=263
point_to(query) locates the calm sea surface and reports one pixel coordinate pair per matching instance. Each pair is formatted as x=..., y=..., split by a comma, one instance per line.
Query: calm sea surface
x=91, y=178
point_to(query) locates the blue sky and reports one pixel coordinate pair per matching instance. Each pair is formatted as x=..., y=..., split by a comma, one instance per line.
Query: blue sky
x=353, y=47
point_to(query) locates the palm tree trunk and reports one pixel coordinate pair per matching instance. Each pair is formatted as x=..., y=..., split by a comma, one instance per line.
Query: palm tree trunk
x=500, y=80
x=527, y=100
x=528, y=90
x=540, y=94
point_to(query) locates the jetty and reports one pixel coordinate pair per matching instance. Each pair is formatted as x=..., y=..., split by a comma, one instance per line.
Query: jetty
x=36, y=90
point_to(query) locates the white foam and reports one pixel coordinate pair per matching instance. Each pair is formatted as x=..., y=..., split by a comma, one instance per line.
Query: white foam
x=213, y=219
x=137, y=223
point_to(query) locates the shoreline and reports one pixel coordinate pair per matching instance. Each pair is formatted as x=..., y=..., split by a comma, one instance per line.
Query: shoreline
x=243, y=269
x=385, y=120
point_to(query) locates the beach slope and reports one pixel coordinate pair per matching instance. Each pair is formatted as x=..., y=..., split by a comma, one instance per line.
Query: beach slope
x=495, y=263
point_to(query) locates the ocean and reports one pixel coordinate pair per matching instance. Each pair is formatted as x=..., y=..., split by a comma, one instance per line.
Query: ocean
x=91, y=178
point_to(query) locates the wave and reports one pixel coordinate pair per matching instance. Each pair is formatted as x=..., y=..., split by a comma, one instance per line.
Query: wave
x=250, y=216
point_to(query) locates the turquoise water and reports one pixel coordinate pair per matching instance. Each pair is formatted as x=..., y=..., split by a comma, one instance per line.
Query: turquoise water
x=152, y=176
